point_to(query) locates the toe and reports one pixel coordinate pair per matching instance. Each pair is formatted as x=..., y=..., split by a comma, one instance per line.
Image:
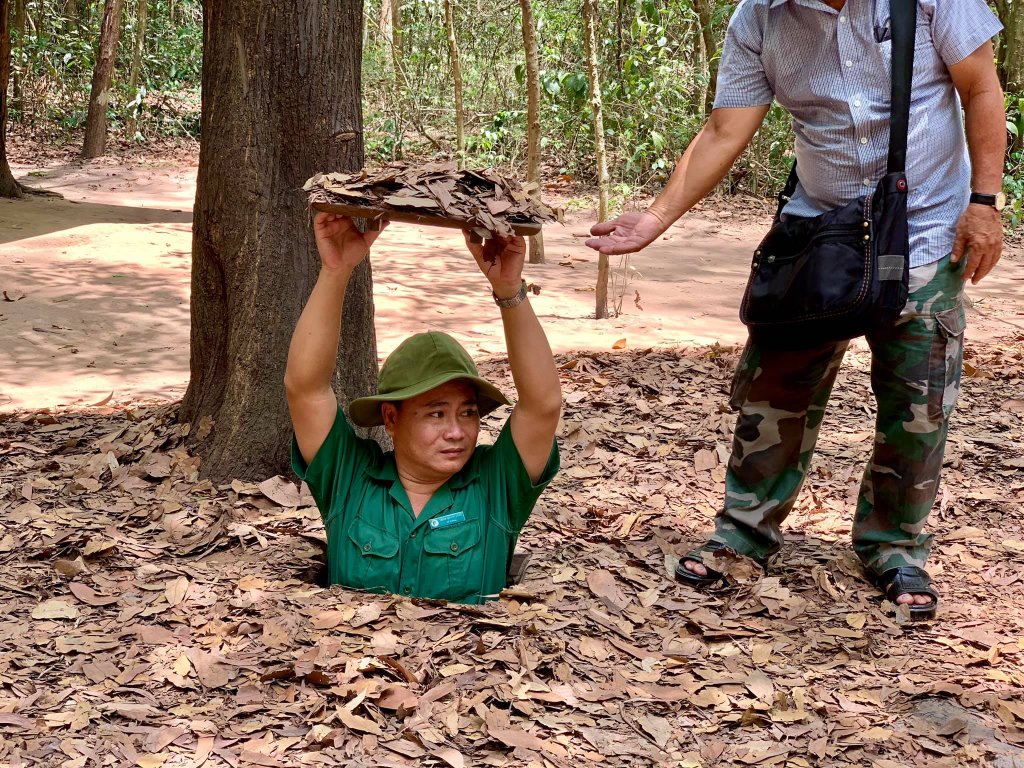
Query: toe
x=923, y=599
x=695, y=567
x=905, y=599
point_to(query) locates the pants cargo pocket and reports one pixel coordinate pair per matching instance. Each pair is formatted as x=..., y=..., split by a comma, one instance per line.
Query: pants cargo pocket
x=744, y=376
x=945, y=362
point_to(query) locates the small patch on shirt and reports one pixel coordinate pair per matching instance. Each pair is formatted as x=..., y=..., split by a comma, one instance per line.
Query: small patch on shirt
x=446, y=520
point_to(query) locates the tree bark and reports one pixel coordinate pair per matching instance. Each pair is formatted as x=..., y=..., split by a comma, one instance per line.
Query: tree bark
x=597, y=121
x=8, y=186
x=133, y=77
x=96, y=121
x=280, y=102
x=532, y=119
x=453, y=55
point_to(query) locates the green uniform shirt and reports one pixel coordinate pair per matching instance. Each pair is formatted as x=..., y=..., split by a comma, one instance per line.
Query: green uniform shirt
x=457, y=549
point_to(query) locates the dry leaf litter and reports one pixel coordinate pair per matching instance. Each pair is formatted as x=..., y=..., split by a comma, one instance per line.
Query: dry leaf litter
x=151, y=619
x=484, y=199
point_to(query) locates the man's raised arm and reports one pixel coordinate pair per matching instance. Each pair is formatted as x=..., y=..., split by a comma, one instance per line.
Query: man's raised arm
x=313, y=353
x=539, y=403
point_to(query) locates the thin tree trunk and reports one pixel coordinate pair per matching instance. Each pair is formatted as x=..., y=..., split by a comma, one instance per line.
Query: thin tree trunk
x=706, y=17
x=133, y=77
x=280, y=102
x=20, y=22
x=8, y=186
x=72, y=13
x=1012, y=43
x=532, y=119
x=385, y=23
x=453, y=55
x=590, y=40
x=396, y=39
x=96, y=121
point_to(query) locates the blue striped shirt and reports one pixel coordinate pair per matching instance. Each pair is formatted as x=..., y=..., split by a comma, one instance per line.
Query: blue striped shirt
x=831, y=70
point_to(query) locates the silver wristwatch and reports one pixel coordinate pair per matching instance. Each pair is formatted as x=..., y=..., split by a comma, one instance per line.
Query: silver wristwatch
x=515, y=301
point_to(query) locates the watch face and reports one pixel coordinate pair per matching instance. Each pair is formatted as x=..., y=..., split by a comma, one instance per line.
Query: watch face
x=1000, y=201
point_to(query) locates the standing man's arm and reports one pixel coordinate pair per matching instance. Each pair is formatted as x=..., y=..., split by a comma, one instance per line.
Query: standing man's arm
x=704, y=163
x=979, y=232
x=313, y=353
x=743, y=96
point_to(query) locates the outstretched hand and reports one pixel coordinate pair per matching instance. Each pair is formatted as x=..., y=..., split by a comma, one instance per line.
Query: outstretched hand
x=340, y=244
x=629, y=233
x=501, y=260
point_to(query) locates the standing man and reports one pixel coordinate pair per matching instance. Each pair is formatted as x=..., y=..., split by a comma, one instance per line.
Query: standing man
x=828, y=62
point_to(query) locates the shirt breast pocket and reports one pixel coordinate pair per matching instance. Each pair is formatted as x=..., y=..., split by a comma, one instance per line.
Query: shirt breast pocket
x=375, y=566
x=452, y=564
x=926, y=58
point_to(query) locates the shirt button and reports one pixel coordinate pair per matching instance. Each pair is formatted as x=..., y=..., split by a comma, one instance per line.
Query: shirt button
x=867, y=182
x=455, y=547
x=367, y=548
x=407, y=590
x=842, y=19
x=856, y=103
x=412, y=535
x=849, y=63
x=863, y=139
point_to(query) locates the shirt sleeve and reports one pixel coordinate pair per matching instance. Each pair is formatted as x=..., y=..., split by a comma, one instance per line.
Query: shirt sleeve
x=509, y=479
x=960, y=27
x=742, y=81
x=330, y=472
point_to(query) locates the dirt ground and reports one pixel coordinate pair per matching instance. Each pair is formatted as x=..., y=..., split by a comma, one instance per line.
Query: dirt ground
x=97, y=285
x=149, y=618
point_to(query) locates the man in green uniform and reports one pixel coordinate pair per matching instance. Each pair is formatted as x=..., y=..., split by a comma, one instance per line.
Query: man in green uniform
x=439, y=516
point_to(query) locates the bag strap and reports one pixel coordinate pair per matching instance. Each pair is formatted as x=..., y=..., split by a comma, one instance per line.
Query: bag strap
x=903, y=15
x=903, y=21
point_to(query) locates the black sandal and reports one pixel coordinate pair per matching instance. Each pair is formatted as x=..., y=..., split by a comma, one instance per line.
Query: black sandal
x=685, y=576
x=909, y=580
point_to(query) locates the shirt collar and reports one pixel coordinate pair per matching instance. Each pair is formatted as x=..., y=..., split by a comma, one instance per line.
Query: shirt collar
x=386, y=471
x=816, y=5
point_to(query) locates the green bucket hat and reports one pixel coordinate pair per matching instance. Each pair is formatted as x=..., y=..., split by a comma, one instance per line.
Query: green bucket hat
x=417, y=365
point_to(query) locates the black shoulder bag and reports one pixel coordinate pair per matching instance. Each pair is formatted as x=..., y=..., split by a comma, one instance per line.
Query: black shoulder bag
x=844, y=273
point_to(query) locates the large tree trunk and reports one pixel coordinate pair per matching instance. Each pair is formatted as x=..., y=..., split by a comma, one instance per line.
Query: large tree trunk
x=96, y=121
x=453, y=55
x=590, y=40
x=133, y=76
x=532, y=119
x=8, y=186
x=281, y=101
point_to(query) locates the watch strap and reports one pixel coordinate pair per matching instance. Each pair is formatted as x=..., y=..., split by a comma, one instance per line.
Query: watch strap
x=980, y=198
x=514, y=301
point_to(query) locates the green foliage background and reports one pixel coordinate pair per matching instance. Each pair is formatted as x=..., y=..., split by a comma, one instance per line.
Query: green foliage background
x=657, y=86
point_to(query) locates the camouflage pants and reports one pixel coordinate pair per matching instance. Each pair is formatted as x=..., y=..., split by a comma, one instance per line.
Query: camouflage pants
x=781, y=398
